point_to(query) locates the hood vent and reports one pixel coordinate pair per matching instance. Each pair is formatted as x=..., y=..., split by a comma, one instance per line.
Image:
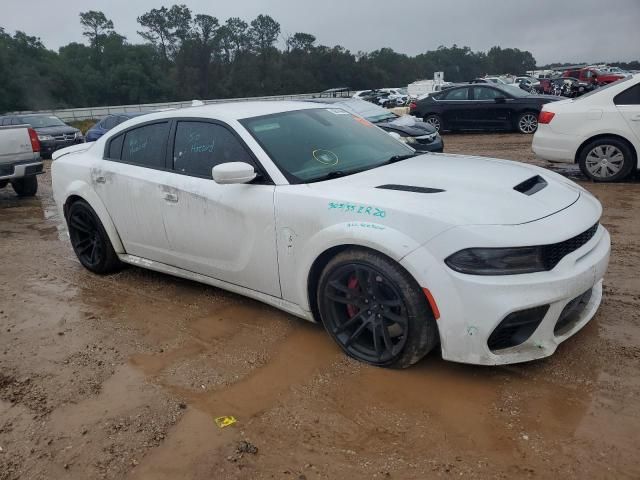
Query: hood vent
x=531, y=185
x=408, y=188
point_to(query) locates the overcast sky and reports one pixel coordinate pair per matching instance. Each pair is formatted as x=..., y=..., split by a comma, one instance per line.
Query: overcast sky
x=553, y=30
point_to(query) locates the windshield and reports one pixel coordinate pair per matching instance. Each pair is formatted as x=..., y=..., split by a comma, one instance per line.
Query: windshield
x=309, y=145
x=368, y=110
x=42, y=121
x=513, y=91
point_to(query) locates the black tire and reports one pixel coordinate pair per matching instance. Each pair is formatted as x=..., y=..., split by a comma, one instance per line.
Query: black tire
x=527, y=123
x=25, y=186
x=386, y=323
x=606, y=159
x=89, y=239
x=434, y=120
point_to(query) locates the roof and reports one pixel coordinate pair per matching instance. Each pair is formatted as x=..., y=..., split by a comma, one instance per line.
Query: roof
x=233, y=110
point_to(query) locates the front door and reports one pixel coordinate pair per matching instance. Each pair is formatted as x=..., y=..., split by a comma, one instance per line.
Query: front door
x=223, y=231
x=628, y=104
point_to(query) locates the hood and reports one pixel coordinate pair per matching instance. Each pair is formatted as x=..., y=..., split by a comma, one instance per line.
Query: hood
x=458, y=190
x=408, y=125
x=56, y=130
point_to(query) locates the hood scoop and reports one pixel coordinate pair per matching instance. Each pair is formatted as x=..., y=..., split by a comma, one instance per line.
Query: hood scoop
x=409, y=188
x=531, y=185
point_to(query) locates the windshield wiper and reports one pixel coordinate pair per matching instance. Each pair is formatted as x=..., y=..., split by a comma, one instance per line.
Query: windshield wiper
x=329, y=176
x=399, y=158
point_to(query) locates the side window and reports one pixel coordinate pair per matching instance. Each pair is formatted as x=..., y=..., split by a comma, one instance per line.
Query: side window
x=145, y=146
x=457, y=94
x=15, y=121
x=484, y=93
x=200, y=146
x=115, y=147
x=109, y=122
x=631, y=96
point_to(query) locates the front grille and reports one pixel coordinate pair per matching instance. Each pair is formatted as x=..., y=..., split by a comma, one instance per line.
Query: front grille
x=516, y=328
x=571, y=313
x=64, y=137
x=552, y=254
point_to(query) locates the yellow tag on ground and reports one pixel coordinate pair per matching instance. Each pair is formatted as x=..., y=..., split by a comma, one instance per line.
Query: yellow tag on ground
x=225, y=421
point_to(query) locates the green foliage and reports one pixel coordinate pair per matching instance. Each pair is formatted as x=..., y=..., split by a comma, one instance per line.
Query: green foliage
x=196, y=56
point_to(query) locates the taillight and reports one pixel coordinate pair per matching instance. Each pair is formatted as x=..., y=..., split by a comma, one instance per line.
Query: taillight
x=545, y=117
x=413, y=106
x=35, y=143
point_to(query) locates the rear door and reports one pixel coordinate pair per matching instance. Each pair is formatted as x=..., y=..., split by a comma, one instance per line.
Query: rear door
x=131, y=182
x=628, y=104
x=222, y=231
x=487, y=113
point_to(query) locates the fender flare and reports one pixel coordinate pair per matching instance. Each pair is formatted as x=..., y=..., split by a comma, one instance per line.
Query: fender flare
x=380, y=238
x=81, y=189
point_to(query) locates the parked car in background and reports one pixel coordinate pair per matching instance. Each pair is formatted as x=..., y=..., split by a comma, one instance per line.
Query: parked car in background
x=420, y=136
x=316, y=212
x=492, y=80
x=107, y=123
x=20, y=159
x=599, y=131
x=53, y=133
x=482, y=107
x=592, y=75
x=528, y=84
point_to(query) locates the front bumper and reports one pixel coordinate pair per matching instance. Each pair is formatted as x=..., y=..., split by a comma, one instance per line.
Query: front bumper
x=437, y=146
x=20, y=169
x=472, y=306
x=47, y=147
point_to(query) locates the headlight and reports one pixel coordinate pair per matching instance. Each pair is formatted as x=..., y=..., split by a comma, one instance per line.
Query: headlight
x=78, y=134
x=42, y=138
x=408, y=139
x=497, y=261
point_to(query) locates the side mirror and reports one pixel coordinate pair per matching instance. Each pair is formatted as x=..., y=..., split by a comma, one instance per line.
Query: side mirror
x=501, y=99
x=233, y=172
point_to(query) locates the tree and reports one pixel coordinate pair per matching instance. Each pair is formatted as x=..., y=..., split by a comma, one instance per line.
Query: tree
x=301, y=42
x=96, y=25
x=233, y=37
x=264, y=33
x=164, y=27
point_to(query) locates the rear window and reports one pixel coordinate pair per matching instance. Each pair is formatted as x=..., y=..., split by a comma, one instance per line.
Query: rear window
x=631, y=96
x=145, y=146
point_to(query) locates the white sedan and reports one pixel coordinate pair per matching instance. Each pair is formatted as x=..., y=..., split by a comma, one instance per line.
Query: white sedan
x=600, y=131
x=321, y=214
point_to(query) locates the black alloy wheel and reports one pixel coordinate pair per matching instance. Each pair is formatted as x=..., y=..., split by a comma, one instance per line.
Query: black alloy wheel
x=364, y=309
x=89, y=240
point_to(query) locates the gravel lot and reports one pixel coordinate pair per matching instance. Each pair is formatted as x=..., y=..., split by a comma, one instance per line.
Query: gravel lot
x=122, y=376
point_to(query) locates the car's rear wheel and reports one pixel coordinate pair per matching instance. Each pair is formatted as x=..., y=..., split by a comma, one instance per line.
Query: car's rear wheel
x=434, y=120
x=527, y=123
x=89, y=239
x=606, y=160
x=374, y=310
x=25, y=186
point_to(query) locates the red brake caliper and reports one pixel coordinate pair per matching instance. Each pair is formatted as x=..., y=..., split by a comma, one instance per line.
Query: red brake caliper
x=352, y=310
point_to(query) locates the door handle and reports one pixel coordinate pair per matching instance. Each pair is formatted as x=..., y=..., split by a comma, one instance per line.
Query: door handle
x=171, y=197
x=101, y=180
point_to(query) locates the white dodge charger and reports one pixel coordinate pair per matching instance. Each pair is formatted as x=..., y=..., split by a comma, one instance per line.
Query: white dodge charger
x=321, y=214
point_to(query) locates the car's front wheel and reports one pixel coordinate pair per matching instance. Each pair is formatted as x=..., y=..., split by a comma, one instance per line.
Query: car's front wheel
x=25, y=186
x=374, y=310
x=527, y=123
x=89, y=239
x=606, y=160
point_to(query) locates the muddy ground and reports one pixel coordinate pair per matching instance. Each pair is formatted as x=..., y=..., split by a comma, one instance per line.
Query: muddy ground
x=122, y=376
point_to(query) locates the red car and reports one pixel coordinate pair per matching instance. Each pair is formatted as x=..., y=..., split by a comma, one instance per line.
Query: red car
x=592, y=75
